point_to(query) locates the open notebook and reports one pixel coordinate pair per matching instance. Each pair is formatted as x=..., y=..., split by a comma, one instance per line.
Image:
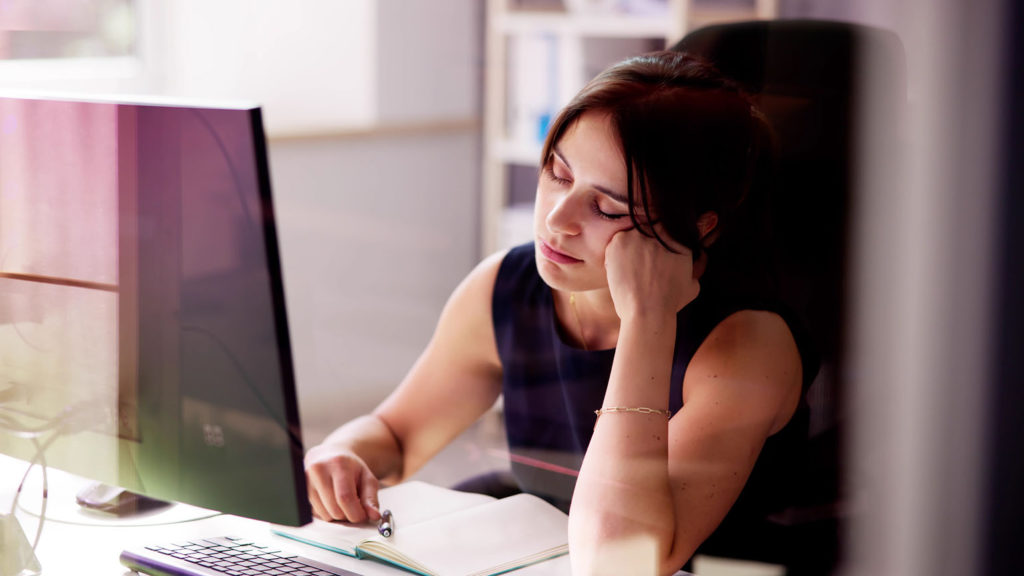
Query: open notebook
x=443, y=532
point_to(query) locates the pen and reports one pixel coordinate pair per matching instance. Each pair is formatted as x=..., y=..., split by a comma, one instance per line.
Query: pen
x=386, y=524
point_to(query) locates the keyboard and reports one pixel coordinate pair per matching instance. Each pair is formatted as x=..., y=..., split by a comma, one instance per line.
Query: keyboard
x=224, y=556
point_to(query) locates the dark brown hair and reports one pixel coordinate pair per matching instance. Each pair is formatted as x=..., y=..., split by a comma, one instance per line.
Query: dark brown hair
x=691, y=139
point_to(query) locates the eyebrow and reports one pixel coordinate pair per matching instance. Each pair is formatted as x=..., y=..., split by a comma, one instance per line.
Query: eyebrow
x=609, y=193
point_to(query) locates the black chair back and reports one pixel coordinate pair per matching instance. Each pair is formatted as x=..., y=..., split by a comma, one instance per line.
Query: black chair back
x=811, y=80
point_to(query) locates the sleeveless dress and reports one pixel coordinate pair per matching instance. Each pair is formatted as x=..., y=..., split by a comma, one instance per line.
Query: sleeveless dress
x=551, y=389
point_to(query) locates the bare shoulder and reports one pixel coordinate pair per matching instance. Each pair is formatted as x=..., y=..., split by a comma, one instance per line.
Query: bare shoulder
x=484, y=274
x=751, y=359
x=751, y=328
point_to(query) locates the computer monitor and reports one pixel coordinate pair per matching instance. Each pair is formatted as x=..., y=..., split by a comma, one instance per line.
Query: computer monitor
x=143, y=335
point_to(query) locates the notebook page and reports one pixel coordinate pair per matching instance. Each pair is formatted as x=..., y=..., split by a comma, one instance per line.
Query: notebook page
x=494, y=537
x=410, y=503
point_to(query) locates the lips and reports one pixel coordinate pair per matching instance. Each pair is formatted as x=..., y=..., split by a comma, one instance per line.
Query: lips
x=556, y=256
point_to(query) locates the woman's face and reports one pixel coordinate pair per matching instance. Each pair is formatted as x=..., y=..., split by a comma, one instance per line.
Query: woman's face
x=581, y=203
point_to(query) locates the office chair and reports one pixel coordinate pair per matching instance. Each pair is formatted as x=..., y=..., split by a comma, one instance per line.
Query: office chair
x=807, y=78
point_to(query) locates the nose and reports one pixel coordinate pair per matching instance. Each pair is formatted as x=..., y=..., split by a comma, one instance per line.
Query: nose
x=564, y=216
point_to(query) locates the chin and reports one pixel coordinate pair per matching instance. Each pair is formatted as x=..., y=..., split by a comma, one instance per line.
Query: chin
x=566, y=279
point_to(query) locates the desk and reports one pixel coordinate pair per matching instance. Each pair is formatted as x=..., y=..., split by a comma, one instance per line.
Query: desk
x=91, y=544
x=67, y=548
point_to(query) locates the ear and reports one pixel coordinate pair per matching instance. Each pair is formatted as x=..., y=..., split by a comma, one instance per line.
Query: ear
x=707, y=227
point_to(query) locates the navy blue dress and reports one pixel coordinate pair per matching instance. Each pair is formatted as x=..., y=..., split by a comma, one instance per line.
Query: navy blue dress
x=552, y=388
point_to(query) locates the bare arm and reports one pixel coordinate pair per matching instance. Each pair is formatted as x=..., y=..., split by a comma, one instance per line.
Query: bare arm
x=673, y=481
x=454, y=381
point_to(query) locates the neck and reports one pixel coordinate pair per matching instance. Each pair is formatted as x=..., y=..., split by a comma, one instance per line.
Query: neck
x=592, y=322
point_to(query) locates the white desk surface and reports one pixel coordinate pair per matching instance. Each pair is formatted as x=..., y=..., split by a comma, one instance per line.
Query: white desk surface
x=94, y=545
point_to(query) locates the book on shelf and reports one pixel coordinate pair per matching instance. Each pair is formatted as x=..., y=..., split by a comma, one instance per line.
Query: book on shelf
x=444, y=532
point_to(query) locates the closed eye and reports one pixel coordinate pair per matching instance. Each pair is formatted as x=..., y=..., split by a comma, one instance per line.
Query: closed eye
x=596, y=208
x=549, y=173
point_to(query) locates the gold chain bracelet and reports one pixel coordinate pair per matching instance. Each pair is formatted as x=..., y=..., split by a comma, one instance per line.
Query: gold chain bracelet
x=638, y=409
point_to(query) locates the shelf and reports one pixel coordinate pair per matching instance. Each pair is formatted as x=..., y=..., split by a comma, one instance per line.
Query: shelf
x=562, y=49
x=613, y=25
x=516, y=225
x=511, y=152
x=707, y=16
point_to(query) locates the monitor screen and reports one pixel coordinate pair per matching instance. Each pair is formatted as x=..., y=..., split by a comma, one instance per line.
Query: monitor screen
x=143, y=335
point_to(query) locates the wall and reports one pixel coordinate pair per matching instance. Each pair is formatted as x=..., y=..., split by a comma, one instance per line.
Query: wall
x=430, y=55
x=312, y=65
x=376, y=231
x=372, y=111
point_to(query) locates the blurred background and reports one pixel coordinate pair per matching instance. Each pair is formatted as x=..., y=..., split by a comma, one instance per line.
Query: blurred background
x=404, y=137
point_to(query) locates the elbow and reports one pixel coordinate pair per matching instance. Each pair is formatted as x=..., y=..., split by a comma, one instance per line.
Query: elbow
x=638, y=554
x=674, y=561
x=607, y=546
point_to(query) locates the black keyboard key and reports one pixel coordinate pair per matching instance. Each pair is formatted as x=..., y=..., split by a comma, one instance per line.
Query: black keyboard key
x=224, y=556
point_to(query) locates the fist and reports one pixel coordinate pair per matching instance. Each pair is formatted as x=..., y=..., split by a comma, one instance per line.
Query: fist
x=646, y=278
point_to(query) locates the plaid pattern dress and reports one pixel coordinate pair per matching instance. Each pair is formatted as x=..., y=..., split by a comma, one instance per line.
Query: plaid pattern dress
x=551, y=388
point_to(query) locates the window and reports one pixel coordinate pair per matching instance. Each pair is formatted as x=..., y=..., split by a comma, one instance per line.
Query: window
x=58, y=29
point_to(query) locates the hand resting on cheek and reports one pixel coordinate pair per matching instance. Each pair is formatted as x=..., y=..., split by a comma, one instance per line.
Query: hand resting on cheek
x=645, y=278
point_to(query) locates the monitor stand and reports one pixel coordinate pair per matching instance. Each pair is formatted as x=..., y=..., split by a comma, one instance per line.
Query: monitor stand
x=116, y=501
x=74, y=500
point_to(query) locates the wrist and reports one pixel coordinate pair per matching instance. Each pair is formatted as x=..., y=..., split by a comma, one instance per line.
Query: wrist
x=648, y=318
x=655, y=333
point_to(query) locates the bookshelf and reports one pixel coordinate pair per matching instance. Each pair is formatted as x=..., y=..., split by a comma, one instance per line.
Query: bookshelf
x=539, y=53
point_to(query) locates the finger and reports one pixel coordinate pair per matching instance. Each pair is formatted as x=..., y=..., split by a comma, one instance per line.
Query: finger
x=318, y=506
x=346, y=496
x=618, y=243
x=371, y=504
x=323, y=483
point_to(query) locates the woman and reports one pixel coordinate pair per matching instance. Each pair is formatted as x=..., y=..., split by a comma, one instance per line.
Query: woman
x=631, y=302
